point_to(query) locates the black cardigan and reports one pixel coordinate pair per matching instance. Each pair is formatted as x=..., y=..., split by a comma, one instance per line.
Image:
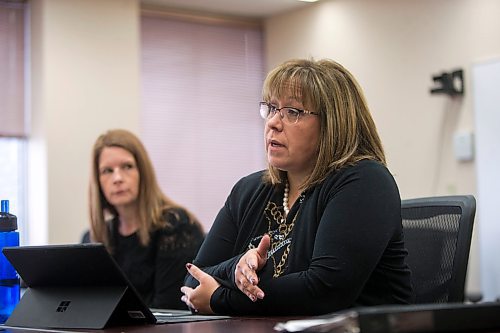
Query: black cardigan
x=347, y=246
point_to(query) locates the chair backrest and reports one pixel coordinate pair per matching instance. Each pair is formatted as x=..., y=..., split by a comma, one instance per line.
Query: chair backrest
x=438, y=233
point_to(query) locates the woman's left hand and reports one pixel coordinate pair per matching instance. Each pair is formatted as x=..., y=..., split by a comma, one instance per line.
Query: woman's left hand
x=199, y=298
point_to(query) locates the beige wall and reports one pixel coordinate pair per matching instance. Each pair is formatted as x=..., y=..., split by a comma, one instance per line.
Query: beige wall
x=85, y=79
x=394, y=47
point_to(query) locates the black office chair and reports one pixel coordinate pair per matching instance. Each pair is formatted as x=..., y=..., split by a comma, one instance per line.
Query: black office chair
x=438, y=233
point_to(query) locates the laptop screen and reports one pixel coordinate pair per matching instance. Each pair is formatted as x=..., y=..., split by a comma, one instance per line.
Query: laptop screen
x=73, y=286
x=65, y=265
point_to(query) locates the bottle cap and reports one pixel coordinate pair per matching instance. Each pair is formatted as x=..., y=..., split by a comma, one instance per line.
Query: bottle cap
x=8, y=222
x=4, y=206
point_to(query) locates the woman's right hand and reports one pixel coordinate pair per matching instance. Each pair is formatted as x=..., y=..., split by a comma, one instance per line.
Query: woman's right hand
x=250, y=263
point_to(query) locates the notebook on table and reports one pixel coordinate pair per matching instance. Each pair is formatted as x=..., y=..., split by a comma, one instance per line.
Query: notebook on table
x=80, y=286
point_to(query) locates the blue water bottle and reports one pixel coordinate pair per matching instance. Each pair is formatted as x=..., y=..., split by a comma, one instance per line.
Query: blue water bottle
x=9, y=281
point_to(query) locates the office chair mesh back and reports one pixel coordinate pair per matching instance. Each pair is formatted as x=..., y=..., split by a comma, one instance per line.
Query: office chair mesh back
x=438, y=233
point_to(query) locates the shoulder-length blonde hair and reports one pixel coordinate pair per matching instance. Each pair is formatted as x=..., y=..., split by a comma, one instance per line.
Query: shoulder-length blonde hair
x=152, y=203
x=347, y=132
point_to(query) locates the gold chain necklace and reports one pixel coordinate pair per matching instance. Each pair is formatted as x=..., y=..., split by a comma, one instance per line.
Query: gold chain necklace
x=284, y=231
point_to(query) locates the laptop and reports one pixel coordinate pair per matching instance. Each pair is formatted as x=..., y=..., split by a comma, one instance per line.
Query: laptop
x=80, y=286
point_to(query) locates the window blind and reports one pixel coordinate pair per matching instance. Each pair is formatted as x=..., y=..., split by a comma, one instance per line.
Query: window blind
x=201, y=84
x=12, y=69
x=13, y=158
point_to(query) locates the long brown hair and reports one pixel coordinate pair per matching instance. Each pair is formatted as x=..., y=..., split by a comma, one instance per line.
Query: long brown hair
x=152, y=203
x=348, y=132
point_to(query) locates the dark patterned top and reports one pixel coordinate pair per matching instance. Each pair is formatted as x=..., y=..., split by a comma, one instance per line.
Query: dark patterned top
x=341, y=245
x=158, y=270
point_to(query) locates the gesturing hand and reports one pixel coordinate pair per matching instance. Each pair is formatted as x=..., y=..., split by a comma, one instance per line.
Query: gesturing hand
x=245, y=274
x=199, y=298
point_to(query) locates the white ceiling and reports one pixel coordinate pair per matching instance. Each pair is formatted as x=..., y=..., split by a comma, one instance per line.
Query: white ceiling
x=243, y=8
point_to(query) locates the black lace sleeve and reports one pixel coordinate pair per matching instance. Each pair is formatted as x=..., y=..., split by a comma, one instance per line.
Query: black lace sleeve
x=177, y=244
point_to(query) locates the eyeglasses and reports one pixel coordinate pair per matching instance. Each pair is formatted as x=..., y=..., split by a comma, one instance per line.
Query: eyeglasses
x=288, y=114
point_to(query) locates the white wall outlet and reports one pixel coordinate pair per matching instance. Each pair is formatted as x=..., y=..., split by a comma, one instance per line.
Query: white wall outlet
x=463, y=145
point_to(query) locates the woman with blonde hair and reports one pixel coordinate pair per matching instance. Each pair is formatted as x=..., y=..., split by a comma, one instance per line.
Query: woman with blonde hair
x=318, y=231
x=149, y=235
